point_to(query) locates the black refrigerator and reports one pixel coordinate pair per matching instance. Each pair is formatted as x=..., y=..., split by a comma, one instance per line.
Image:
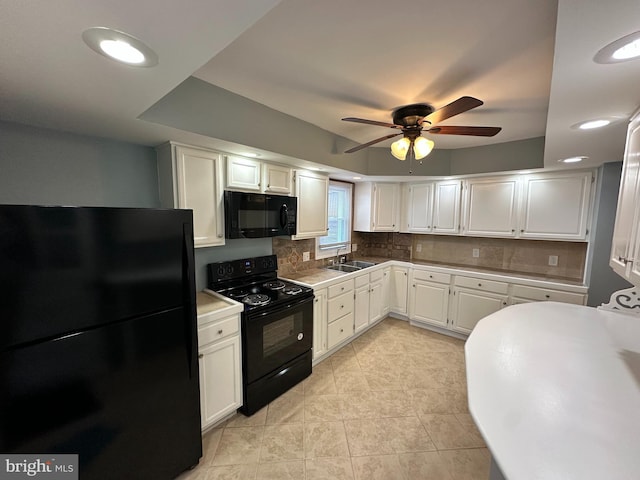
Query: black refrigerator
x=98, y=346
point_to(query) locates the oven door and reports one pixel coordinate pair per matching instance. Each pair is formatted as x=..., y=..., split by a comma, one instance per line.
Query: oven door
x=272, y=337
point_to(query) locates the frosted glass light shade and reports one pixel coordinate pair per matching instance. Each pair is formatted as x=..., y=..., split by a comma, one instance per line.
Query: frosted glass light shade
x=399, y=148
x=422, y=147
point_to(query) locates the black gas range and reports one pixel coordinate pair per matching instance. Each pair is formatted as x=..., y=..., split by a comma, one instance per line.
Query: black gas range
x=277, y=326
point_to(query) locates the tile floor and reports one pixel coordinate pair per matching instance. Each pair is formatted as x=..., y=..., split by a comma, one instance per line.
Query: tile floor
x=390, y=405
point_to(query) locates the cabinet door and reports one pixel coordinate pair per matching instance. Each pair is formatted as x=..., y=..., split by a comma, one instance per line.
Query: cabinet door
x=429, y=303
x=386, y=290
x=385, y=207
x=319, y=323
x=446, y=207
x=361, y=308
x=276, y=179
x=420, y=209
x=199, y=188
x=243, y=173
x=555, y=206
x=490, y=207
x=312, y=191
x=470, y=306
x=376, y=301
x=220, y=380
x=626, y=225
x=399, y=289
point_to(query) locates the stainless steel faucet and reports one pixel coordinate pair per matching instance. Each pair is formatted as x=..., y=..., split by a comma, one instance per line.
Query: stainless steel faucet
x=337, y=260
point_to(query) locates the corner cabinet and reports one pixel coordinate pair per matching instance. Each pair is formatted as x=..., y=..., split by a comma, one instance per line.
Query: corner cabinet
x=191, y=178
x=376, y=207
x=312, y=190
x=625, y=248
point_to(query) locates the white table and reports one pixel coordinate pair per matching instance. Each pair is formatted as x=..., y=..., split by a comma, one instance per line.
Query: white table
x=555, y=391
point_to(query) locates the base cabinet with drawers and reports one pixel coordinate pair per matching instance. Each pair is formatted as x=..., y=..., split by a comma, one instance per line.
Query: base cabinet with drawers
x=220, y=364
x=340, y=303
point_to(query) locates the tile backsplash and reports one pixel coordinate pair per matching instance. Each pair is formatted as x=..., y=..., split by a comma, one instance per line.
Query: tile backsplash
x=529, y=257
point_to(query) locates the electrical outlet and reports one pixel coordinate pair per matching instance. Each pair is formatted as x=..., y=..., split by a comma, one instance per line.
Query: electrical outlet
x=306, y=256
x=476, y=252
x=553, y=260
x=418, y=247
x=354, y=247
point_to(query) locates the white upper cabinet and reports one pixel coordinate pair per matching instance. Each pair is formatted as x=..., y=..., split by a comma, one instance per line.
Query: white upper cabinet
x=446, y=207
x=419, y=208
x=625, y=248
x=312, y=190
x=555, y=205
x=490, y=207
x=276, y=179
x=244, y=174
x=251, y=175
x=376, y=207
x=191, y=178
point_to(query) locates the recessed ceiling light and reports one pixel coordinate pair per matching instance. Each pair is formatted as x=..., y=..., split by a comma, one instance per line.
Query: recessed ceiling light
x=250, y=154
x=357, y=178
x=573, y=159
x=622, y=50
x=591, y=124
x=120, y=46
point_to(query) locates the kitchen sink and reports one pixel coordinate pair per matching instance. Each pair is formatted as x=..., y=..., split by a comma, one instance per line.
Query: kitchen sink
x=360, y=264
x=343, y=267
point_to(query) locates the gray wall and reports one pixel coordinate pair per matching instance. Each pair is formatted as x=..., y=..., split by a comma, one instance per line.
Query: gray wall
x=602, y=280
x=46, y=167
x=500, y=157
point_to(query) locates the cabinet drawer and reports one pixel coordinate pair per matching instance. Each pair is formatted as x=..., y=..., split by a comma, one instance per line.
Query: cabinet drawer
x=340, y=288
x=361, y=280
x=484, y=285
x=431, y=276
x=218, y=330
x=542, y=294
x=375, y=276
x=339, y=306
x=340, y=330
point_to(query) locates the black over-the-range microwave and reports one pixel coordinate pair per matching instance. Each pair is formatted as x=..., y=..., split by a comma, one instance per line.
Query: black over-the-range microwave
x=258, y=215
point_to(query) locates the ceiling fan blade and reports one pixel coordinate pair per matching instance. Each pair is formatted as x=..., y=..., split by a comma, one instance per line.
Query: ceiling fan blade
x=365, y=145
x=476, y=131
x=371, y=122
x=461, y=105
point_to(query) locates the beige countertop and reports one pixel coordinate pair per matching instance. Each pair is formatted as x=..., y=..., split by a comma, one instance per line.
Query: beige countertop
x=206, y=303
x=314, y=277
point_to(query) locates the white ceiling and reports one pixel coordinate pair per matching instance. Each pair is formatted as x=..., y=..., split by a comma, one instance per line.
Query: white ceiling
x=322, y=60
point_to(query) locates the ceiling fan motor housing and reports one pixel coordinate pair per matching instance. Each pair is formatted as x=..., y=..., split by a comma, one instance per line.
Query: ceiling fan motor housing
x=410, y=115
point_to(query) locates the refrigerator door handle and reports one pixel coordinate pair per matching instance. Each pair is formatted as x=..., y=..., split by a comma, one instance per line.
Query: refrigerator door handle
x=188, y=272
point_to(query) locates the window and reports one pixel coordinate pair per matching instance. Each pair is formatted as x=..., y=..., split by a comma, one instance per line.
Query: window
x=339, y=236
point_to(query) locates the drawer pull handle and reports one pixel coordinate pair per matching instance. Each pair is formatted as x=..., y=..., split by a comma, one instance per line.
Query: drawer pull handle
x=220, y=332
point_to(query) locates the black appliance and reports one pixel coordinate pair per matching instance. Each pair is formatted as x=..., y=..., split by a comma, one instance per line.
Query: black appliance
x=98, y=345
x=258, y=215
x=277, y=327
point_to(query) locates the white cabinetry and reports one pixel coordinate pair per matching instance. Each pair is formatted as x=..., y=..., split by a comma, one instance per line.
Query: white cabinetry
x=220, y=366
x=254, y=176
x=386, y=290
x=361, y=298
x=555, y=205
x=490, y=207
x=399, y=289
x=312, y=190
x=319, y=323
x=625, y=248
x=340, y=303
x=474, y=299
x=191, y=178
x=376, y=207
x=419, y=208
x=525, y=294
x=446, y=207
x=276, y=179
x=429, y=297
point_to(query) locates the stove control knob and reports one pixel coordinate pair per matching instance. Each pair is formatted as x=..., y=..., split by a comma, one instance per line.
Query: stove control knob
x=300, y=336
x=220, y=271
x=229, y=270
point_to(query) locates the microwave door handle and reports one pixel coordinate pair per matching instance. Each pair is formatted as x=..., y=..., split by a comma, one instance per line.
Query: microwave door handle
x=284, y=215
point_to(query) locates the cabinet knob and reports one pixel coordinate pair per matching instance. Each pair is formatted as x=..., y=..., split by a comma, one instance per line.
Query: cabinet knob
x=522, y=231
x=479, y=284
x=405, y=274
x=220, y=332
x=316, y=300
x=414, y=285
x=268, y=185
x=547, y=296
x=258, y=183
x=430, y=276
x=504, y=303
x=513, y=230
x=428, y=226
x=219, y=235
x=341, y=306
x=342, y=288
x=341, y=330
x=200, y=355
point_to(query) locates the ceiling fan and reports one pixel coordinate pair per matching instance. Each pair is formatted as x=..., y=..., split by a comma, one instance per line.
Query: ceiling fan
x=413, y=119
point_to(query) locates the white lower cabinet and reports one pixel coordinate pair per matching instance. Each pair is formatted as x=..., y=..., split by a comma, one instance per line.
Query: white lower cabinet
x=525, y=294
x=319, y=323
x=429, y=297
x=220, y=365
x=340, y=306
x=362, y=297
x=386, y=290
x=399, y=289
x=470, y=306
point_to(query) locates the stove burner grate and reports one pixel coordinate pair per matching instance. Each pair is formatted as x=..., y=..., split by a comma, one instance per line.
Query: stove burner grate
x=256, y=299
x=238, y=294
x=291, y=290
x=275, y=285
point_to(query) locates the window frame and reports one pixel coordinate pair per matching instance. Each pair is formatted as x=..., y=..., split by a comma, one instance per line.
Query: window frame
x=330, y=251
